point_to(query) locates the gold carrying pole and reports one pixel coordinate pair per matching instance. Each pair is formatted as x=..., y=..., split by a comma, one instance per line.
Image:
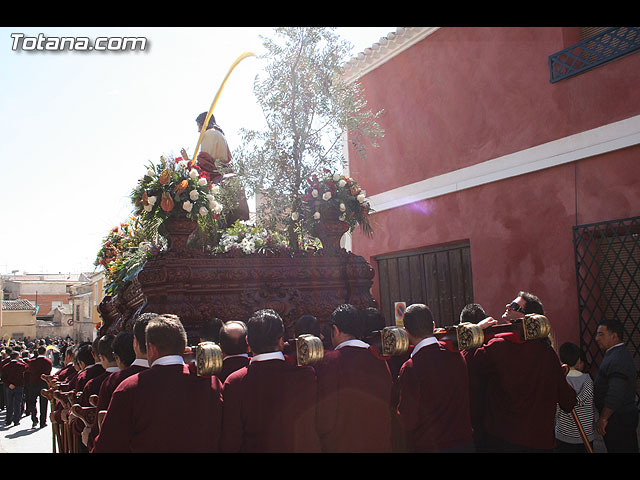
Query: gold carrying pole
x=215, y=100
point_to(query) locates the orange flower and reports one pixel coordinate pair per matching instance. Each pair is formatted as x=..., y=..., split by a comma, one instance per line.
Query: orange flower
x=166, y=202
x=164, y=177
x=181, y=187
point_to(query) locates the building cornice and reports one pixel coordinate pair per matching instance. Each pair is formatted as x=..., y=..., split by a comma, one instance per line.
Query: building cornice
x=598, y=141
x=383, y=50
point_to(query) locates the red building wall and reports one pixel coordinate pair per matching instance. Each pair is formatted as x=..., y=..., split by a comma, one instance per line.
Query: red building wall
x=462, y=96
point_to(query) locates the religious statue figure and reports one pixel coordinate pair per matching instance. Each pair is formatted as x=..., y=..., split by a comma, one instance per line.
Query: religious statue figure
x=215, y=159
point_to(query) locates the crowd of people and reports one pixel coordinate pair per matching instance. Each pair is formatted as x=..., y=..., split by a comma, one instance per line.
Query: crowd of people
x=509, y=395
x=22, y=362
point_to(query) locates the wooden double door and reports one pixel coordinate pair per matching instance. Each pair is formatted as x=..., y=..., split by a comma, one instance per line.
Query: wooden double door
x=439, y=277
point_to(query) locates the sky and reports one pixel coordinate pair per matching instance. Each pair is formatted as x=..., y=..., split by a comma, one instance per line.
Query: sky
x=77, y=129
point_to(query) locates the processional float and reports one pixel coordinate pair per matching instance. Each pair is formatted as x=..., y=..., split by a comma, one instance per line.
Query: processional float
x=197, y=286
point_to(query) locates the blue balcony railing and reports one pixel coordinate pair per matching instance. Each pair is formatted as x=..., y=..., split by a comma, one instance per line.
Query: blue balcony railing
x=592, y=52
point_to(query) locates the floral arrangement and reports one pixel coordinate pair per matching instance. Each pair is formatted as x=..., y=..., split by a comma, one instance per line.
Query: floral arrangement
x=335, y=196
x=245, y=238
x=123, y=252
x=115, y=243
x=175, y=187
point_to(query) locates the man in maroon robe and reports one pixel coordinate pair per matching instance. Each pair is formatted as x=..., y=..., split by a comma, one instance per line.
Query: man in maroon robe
x=434, y=390
x=354, y=390
x=524, y=383
x=165, y=408
x=235, y=351
x=270, y=405
x=38, y=366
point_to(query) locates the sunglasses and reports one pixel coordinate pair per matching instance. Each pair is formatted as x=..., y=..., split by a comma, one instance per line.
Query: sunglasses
x=516, y=306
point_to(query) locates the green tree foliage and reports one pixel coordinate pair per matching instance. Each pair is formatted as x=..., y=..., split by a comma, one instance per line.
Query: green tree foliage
x=307, y=107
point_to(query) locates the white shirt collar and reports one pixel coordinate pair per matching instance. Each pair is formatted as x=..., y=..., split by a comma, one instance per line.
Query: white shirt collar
x=112, y=369
x=142, y=362
x=267, y=356
x=423, y=343
x=169, y=360
x=352, y=343
x=245, y=355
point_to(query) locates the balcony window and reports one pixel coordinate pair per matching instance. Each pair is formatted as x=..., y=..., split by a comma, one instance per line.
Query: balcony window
x=607, y=45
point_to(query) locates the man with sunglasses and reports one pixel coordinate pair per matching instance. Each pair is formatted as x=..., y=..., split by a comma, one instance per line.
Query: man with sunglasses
x=524, y=304
x=523, y=383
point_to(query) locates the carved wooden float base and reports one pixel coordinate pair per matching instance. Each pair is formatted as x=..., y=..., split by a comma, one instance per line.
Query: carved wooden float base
x=197, y=286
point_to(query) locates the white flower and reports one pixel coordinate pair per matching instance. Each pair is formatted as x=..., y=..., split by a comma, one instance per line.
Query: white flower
x=215, y=207
x=314, y=193
x=194, y=195
x=326, y=196
x=342, y=183
x=295, y=216
x=202, y=181
x=343, y=207
x=147, y=208
x=316, y=215
x=248, y=245
x=182, y=164
x=193, y=173
x=360, y=197
x=336, y=177
x=187, y=205
x=152, y=200
x=203, y=211
x=150, y=172
x=213, y=188
x=342, y=217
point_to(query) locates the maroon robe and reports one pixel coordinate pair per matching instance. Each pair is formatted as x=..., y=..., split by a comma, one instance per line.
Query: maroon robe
x=270, y=406
x=163, y=409
x=37, y=367
x=525, y=382
x=89, y=373
x=230, y=365
x=434, y=400
x=354, y=391
x=106, y=391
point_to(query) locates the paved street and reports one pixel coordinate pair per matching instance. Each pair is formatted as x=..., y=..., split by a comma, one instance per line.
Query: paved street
x=23, y=438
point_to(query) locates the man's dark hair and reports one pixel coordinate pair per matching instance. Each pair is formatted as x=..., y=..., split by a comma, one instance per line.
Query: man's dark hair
x=614, y=326
x=533, y=303
x=307, y=324
x=167, y=333
x=569, y=353
x=348, y=320
x=373, y=320
x=472, y=313
x=210, y=330
x=212, y=121
x=418, y=320
x=139, y=327
x=264, y=330
x=105, y=347
x=123, y=348
x=42, y=350
x=233, y=344
x=84, y=354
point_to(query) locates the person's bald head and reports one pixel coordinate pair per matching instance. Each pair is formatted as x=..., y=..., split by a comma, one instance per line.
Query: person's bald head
x=233, y=338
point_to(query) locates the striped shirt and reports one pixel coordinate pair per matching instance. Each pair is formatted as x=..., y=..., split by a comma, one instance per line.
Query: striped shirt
x=566, y=429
